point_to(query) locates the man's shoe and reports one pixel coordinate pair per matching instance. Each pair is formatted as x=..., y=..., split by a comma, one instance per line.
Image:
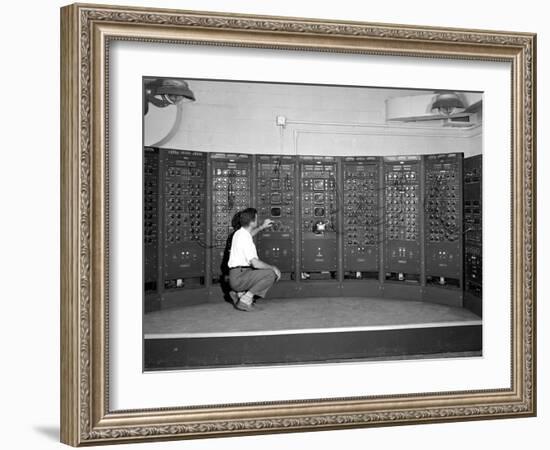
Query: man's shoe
x=243, y=306
x=234, y=297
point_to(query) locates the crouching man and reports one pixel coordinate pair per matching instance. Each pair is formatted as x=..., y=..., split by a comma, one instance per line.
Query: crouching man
x=248, y=275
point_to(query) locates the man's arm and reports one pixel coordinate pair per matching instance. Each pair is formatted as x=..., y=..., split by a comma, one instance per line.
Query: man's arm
x=267, y=223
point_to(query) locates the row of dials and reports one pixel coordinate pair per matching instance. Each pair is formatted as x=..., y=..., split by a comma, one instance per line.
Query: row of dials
x=276, y=196
x=319, y=199
x=441, y=203
x=361, y=205
x=401, y=203
x=231, y=193
x=150, y=198
x=184, y=200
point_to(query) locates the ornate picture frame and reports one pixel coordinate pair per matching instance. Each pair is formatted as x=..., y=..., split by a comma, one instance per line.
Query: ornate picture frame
x=86, y=33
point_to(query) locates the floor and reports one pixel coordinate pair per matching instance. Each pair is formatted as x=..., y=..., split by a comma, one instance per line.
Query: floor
x=275, y=316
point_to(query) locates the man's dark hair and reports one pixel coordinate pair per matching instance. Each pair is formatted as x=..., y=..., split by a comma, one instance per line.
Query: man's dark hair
x=236, y=221
x=246, y=216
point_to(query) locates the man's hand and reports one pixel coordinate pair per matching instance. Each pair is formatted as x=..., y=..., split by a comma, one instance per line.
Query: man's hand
x=267, y=223
x=277, y=272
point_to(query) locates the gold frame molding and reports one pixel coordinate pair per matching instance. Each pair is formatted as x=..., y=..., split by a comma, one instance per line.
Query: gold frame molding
x=86, y=31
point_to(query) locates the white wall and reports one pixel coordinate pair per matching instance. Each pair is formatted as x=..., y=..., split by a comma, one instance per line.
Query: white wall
x=327, y=120
x=29, y=228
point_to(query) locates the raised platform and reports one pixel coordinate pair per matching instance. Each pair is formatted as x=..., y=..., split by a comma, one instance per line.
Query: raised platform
x=305, y=330
x=292, y=289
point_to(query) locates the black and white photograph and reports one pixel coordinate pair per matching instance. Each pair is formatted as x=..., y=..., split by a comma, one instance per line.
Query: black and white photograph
x=305, y=223
x=258, y=225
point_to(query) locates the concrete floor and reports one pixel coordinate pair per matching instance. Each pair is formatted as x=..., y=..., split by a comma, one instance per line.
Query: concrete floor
x=276, y=315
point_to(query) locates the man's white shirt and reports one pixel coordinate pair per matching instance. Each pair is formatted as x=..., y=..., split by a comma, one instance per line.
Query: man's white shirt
x=243, y=249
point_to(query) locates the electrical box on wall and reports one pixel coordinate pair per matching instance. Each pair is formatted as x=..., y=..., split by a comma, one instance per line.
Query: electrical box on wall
x=276, y=200
x=402, y=214
x=231, y=189
x=150, y=218
x=473, y=237
x=361, y=211
x=184, y=200
x=320, y=197
x=443, y=219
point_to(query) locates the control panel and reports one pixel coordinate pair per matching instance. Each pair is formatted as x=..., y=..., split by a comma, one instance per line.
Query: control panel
x=473, y=269
x=184, y=218
x=361, y=216
x=413, y=220
x=231, y=193
x=402, y=210
x=150, y=218
x=319, y=200
x=443, y=219
x=275, y=199
x=473, y=225
x=472, y=200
